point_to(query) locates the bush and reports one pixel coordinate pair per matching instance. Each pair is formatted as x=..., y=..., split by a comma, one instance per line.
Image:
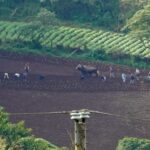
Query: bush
x=47, y=17
x=133, y=144
x=32, y=143
x=11, y=132
x=2, y=144
x=17, y=137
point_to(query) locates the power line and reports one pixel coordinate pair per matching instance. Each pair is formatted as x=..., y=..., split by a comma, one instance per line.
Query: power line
x=39, y=113
x=85, y=110
x=119, y=116
x=79, y=117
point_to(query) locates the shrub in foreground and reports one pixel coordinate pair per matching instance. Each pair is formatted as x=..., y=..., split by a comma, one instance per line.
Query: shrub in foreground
x=17, y=137
x=133, y=144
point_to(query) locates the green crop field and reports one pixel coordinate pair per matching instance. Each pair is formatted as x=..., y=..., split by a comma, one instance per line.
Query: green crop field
x=76, y=38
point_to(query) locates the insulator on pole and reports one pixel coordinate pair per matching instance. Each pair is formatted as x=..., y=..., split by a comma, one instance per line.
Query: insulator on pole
x=79, y=117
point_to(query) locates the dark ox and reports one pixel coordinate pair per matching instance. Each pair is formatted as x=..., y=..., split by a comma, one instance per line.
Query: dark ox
x=87, y=71
x=40, y=77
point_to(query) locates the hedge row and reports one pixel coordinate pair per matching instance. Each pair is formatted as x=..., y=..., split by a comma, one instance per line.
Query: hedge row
x=75, y=38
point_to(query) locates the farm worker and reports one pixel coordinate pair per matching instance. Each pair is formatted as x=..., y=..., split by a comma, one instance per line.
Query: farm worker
x=148, y=76
x=111, y=72
x=24, y=75
x=6, y=75
x=132, y=79
x=137, y=73
x=26, y=67
x=124, y=77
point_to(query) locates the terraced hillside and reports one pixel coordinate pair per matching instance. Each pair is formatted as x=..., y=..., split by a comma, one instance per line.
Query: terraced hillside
x=79, y=39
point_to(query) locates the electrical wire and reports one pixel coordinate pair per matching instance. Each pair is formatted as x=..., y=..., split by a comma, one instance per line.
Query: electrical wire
x=39, y=113
x=85, y=110
x=120, y=116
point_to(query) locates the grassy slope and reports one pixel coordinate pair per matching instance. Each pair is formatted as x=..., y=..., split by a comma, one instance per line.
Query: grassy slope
x=75, y=42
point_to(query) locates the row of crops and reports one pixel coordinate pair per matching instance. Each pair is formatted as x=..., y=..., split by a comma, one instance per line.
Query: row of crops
x=75, y=38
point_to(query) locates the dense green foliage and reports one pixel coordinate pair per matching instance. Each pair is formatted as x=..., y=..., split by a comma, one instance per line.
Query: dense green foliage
x=98, y=13
x=129, y=7
x=11, y=132
x=32, y=143
x=111, y=14
x=133, y=144
x=101, y=13
x=46, y=17
x=2, y=144
x=18, y=9
x=17, y=137
x=139, y=24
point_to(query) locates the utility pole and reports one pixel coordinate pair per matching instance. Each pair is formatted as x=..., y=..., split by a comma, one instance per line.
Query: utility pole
x=79, y=117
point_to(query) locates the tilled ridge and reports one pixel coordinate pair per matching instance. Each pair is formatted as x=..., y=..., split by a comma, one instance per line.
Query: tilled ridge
x=71, y=84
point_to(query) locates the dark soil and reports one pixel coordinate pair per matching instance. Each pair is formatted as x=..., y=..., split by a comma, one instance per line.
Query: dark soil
x=62, y=89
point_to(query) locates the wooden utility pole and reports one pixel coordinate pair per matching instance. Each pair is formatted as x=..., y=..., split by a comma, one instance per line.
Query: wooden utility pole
x=79, y=118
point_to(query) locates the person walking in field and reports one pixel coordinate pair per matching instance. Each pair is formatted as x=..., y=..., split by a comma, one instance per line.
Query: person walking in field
x=27, y=67
x=111, y=72
x=124, y=77
x=24, y=76
x=137, y=73
x=6, y=76
x=132, y=79
x=148, y=75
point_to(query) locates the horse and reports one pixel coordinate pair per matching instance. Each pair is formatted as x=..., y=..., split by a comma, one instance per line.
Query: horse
x=87, y=70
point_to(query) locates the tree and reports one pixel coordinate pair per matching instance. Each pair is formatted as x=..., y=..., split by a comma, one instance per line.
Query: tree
x=32, y=143
x=47, y=17
x=17, y=137
x=139, y=24
x=11, y=132
x=91, y=11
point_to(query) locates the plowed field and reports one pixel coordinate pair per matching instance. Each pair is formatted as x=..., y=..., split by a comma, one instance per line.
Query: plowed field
x=62, y=89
